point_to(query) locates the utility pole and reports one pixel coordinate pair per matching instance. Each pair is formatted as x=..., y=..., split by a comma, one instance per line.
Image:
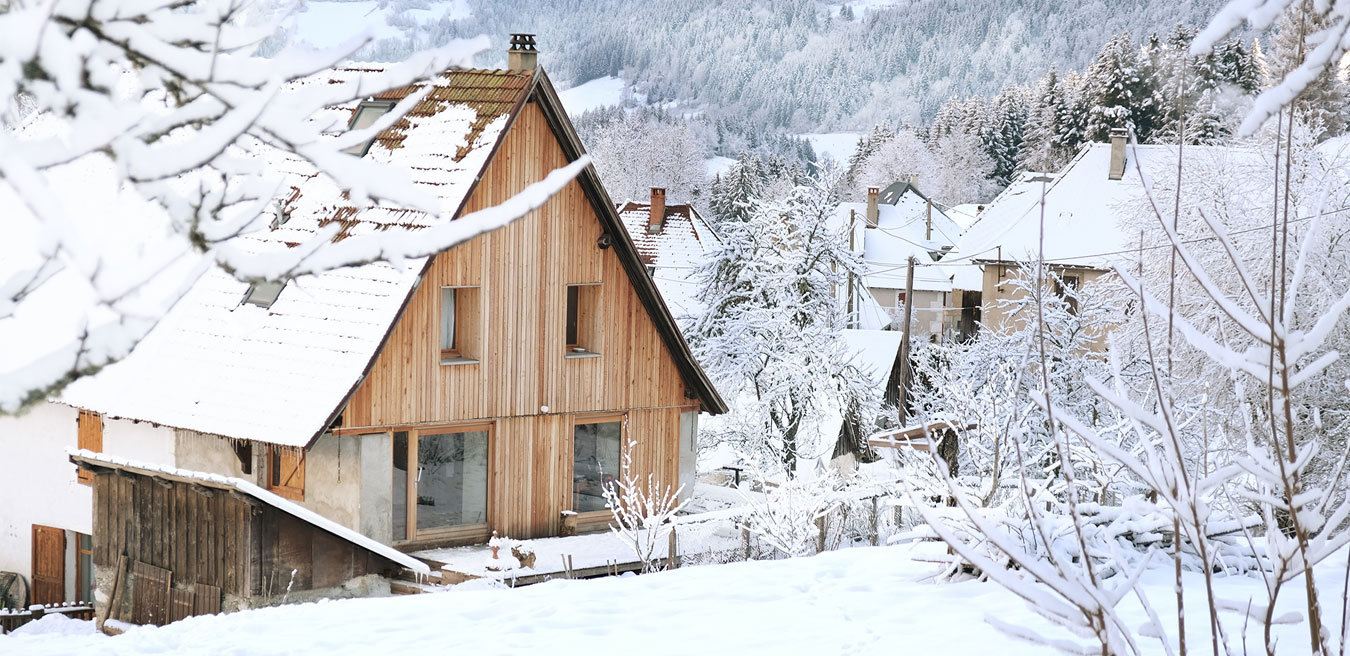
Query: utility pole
x=852, y=320
x=928, y=225
x=905, y=372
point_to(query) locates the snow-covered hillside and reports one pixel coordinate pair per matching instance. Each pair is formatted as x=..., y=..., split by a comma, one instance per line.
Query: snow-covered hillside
x=856, y=601
x=799, y=64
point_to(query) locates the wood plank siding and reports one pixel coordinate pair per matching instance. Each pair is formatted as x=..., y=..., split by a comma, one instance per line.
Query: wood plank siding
x=518, y=337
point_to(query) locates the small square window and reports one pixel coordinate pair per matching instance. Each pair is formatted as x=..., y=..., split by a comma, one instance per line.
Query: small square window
x=459, y=325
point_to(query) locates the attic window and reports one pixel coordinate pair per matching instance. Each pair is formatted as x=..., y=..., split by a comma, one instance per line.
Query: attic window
x=365, y=116
x=264, y=294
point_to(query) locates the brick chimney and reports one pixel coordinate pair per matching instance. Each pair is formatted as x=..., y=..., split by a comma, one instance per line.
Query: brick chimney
x=522, y=55
x=656, y=219
x=1118, y=138
x=873, y=195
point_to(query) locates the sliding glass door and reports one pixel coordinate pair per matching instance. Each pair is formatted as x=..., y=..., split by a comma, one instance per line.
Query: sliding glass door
x=440, y=482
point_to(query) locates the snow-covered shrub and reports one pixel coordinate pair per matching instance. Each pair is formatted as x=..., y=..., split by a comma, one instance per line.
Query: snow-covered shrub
x=642, y=510
x=786, y=516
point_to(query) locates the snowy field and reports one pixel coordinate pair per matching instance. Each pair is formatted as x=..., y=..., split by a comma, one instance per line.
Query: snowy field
x=597, y=93
x=328, y=24
x=856, y=601
x=838, y=145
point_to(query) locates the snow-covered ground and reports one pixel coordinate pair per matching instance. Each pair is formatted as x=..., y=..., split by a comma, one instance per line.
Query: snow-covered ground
x=597, y=93
x=327, y=24
x=857, y=601
x=838, y=145
x=718, y=165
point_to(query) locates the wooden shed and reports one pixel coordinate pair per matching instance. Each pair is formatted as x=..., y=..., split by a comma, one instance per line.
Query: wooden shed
x=171, y=543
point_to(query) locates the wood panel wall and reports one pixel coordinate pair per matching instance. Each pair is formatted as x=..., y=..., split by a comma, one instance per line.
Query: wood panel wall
x=202, y=536
x=522, y=272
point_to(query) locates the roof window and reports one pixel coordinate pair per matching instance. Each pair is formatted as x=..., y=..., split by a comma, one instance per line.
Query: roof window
x=365, y=116
x=264, y=294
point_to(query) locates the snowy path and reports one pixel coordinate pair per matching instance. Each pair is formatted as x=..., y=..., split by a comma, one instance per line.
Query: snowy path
x=857, y=601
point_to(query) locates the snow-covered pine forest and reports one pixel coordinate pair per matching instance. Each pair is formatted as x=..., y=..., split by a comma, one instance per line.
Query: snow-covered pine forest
x=1103, y=411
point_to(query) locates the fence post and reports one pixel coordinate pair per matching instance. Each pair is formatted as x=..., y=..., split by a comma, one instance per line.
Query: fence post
x=876, y=520
x=820, y=535
x=745, y=535
x=672, y=556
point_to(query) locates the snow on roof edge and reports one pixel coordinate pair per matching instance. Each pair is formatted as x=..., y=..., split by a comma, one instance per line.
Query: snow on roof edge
x=271, y=499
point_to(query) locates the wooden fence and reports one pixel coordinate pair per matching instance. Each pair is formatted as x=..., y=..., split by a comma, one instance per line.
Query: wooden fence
x=11, y=619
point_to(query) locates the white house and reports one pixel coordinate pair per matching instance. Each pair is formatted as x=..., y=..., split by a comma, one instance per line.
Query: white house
x=894, y=224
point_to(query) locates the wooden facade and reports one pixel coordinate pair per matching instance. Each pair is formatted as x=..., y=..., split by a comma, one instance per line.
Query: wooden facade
x=191, y=536
x=516, y=344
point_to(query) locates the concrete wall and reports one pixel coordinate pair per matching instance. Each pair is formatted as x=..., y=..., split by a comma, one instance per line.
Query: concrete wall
x=39, y=484
x=334, y=469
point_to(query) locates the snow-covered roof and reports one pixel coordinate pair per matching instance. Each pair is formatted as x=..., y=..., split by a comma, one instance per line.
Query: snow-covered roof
x=86, y=457
x=1084, y=211
x=681, y=246
x=684, y=239
x=874, y=352
x=217, y=365
x=902, y=230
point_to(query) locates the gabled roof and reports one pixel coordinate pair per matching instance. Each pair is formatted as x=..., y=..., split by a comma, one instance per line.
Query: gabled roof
x=902, y=230
x=282, y=374
x=683, y=244
x=1085, y=212
x=685, y=237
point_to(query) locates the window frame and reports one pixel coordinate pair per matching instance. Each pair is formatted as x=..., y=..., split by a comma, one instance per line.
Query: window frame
x=459, y=353
x=465, y=533
x=90, y=438
x=287, y=488
x=620, y=418
x=578, y=320
x=369, y=104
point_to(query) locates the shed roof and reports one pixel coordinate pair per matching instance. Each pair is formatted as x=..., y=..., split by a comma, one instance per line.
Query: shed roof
x=95, y=460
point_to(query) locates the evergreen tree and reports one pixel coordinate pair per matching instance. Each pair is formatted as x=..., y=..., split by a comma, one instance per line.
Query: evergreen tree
x=1005, y=133
x=734, y=193
x=1324, y=99
x=1117, y=88
x=1047, y=144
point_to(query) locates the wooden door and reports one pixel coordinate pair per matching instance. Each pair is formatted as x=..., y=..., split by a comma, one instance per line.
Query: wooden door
x=49, y=565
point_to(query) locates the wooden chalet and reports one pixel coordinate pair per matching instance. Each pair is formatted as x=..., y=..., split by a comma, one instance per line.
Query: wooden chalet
x=424, y=403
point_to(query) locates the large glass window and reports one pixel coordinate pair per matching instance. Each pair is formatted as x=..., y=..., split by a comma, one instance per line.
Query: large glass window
x=595, y=463
x=400, y=489
x=439, y=481
x=451, y=480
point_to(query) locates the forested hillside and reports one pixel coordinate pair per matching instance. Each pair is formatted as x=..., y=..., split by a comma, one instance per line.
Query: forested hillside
x=796, y=64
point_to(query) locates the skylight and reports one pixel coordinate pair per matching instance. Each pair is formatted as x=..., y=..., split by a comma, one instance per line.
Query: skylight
x=366, y=114
x=264, y=294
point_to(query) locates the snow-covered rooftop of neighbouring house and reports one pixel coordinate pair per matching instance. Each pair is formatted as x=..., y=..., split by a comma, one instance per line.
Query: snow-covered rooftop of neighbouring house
x=902, y=230
x=874, y=352
x=252, y=490
x=683, y=244
x=1085, y=212
x=217, y=365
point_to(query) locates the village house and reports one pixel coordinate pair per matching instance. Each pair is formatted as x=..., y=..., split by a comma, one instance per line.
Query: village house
x=330, y=422
x=1093, y=210
x=673, y=241
x=894, y=224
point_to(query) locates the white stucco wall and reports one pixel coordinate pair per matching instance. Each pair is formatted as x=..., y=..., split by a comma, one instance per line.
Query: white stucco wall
x=39, y=483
